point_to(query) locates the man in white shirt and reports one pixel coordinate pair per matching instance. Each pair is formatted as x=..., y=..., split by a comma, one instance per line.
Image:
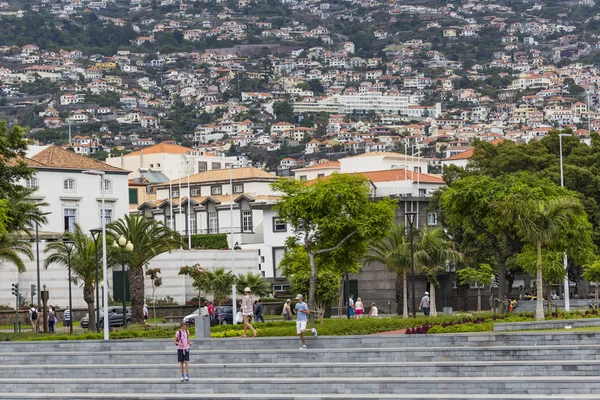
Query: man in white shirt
x=425, y=304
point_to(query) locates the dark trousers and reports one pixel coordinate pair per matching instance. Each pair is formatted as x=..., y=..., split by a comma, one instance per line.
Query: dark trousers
x=259, y=318
x=426, y=310
x=51, y=325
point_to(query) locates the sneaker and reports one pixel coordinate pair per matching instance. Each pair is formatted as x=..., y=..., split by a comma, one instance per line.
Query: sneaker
x=314, y=332
x=303, y=348
x=187, y=378
x=182, y=378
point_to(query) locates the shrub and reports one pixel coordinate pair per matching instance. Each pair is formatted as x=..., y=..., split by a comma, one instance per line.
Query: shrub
x=216, y=241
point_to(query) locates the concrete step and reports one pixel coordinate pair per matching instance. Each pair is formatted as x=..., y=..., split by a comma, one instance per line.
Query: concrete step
x=338, y=385
x=369, y=341
x=443, y=369
x=230, y=355
x=348, y=396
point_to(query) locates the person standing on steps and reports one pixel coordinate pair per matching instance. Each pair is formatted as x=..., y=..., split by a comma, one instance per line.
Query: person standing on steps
x=247, y=311
x=302, y=311
x=425, y=304
x=183, y=350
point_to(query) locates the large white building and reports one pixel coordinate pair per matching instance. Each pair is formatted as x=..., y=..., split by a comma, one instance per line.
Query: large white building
x=172, y=160
x=362, y=103
x=255, y=224
x=72, y=196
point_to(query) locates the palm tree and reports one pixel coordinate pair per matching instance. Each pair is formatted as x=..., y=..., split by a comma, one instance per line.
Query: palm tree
x=12, y=248
x=256, y=284
x=543, y=223
x=149, y=238
x=83, y=265
x=434, y=251
x=393, y=251
x=220, y=283
x=23, y=211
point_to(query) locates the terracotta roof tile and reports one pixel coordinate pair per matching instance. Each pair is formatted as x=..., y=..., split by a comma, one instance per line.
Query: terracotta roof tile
x=164, y=147
x=218, y=175
x=390, y=175
x=57, y=157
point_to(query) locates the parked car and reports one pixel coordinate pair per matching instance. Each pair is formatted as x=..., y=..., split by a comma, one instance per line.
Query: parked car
x=223, y=316
x=115, y=316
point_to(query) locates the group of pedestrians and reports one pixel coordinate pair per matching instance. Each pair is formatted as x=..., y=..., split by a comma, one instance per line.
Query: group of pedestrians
x=356, y=309
x=36, y=318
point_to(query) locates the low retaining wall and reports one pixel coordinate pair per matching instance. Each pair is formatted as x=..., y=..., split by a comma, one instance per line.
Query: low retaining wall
x=557, y=324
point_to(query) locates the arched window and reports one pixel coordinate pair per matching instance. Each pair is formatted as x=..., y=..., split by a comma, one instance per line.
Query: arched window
x=69, y=184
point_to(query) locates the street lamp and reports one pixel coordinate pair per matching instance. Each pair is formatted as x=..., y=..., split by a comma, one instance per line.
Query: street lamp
x=69, y=247
x=125, y=245
x=103, y=224
x=102, y=287
x=565, y=261
x=37, y=251
x=411, y=217
x=96, y=235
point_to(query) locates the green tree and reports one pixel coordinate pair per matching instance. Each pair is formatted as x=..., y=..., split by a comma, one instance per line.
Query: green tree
x=434, y=251
x=334, y=217
x=255, y=282
x=198, y=275
x=483, y=274
x=156, y=281
x=220, y=284
x=393, y=251
x=468, y=216
x=284, y=111
x=296, y=268
x=547, y=222
x=149, y=238
x=591, y=273
x=83, y=265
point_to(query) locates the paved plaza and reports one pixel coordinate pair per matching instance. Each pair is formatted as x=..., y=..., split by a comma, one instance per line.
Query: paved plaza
x=563, y=365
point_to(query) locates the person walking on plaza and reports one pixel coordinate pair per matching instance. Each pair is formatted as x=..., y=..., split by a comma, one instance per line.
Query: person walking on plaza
x=51, y=319
x=211, y=310
x=259, y=312
x=145, y=313
x=425, y=304
x=183, y=350
x=302, y=311
x=67, y=320
x=359, y=308
x=287, y=310
x=247, y=311
x=351, y=306
x=33, y=316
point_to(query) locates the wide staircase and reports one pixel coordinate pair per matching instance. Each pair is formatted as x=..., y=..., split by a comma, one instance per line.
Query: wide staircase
x=563, y=365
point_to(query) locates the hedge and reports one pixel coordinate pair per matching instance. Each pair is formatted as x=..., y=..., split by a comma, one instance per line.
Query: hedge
x=217, y=241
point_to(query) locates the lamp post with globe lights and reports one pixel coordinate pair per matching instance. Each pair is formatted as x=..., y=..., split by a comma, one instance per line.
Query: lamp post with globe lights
x=125, y=245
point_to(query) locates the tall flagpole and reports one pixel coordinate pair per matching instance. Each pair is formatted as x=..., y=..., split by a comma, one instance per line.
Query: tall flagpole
x=233, y=288
x=189, y=207
x=171, y=203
